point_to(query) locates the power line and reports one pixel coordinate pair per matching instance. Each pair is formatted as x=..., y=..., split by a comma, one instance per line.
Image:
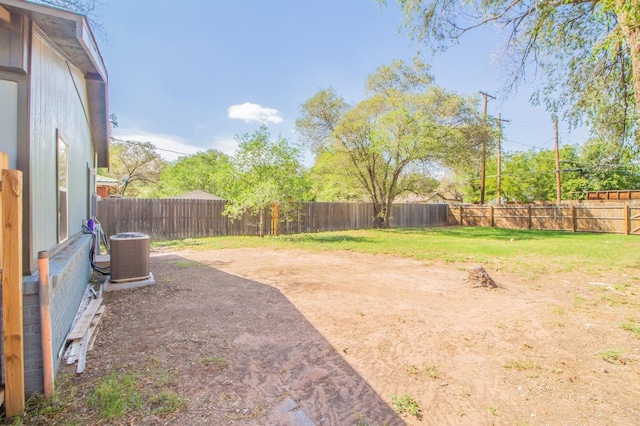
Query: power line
x=154, y=146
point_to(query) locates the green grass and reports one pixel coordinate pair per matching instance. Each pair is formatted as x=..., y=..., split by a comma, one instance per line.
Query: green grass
x=116, y=395
x=632, y=325
x=165, y=403
x=613, y=356
x=533, y=252
x=216, y=360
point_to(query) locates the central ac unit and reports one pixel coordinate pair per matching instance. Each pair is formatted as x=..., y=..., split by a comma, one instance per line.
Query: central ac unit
x=129, y=257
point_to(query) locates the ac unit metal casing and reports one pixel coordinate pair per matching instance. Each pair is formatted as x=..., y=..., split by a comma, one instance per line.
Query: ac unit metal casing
x=129, y=257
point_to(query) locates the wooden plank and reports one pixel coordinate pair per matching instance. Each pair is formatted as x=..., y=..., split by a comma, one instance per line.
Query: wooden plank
x=81, y=327
x=92, y=340
x=82, y=355
x=93, y=328
x=5, y=15
x=12, y=291
x=71, y=355
x=4, y=164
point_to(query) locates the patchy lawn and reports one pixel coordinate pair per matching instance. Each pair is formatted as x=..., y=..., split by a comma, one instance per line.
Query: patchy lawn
x=273, y=335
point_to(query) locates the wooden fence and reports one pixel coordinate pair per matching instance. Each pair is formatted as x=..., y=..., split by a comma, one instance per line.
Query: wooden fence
x=617, y=219
x=164, y=219
x=13, y=391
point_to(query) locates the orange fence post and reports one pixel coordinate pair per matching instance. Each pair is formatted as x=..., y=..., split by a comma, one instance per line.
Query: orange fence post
x=45, y=322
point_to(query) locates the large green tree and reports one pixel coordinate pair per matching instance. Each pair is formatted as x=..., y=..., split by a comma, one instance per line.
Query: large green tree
x=263, y=171
x=530, y=176
x=89, y=8
x=605, y=166
x=202, y=171
x=330, y=183
x=137, y=165
x=587, y=50
x=384, y=141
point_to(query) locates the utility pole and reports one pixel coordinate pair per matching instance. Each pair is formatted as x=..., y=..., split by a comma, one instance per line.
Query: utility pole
x=499, y=183
x=484, y=146
x=558, y=186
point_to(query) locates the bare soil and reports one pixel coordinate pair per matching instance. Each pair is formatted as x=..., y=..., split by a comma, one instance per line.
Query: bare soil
x=292, y=337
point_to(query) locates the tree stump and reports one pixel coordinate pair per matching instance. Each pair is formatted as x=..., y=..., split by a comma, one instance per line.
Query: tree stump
x=479, y=277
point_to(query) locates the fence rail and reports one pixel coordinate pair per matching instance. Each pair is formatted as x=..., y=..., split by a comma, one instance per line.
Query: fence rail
x=164, y=219
x=616, y=219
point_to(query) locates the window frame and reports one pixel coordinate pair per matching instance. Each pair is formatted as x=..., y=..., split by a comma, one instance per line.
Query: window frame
x=62, y=188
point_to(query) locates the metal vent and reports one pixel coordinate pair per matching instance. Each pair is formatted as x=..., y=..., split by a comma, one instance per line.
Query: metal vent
x=129, y=257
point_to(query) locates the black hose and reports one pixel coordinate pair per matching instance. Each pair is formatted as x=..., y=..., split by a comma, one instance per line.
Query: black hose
x=92, y=251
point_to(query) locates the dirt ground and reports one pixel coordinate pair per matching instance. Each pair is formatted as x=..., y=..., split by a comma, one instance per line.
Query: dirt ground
x=291, y=337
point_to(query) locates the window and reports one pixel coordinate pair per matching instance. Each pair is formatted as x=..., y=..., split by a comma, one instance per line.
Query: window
x=63, y=182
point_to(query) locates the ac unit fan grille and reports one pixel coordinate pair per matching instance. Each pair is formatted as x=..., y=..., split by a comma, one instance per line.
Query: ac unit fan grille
x=129, y=257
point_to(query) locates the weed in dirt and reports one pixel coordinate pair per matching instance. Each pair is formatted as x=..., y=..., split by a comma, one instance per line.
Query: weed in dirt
x=413, y=370
x=612, y=356
x=49, y=407
x=622, y=287
x=362, y=421
x=165, y=403
x=184, y=264
x=216, y=360
x=155, y=361
x=400, y=319
x=166, y=378
x=405, y=404
x=493, y=410
x=559, y=310
x=430, y=371
x=116, y=395
x=632, y=325
x=525, y=365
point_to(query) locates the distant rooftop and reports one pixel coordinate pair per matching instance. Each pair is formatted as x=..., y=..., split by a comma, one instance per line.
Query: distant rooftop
x=196, y=195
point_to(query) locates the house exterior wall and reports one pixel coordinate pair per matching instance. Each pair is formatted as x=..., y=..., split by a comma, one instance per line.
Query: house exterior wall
x=68, y=269
x=58, y=106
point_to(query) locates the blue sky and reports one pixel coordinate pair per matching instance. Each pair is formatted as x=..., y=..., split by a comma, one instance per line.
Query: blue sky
x=191, y=75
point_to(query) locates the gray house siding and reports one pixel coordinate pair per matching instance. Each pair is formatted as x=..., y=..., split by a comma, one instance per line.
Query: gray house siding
x=58, y=107
x=58, y=102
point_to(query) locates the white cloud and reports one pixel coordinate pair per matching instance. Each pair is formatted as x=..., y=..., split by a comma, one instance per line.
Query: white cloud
x=225, y=143
x=169, y=147
x=254, y=113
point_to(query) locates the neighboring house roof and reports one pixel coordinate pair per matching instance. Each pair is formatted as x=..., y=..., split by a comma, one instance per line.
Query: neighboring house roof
x=106, y=181
x=197, y=195
x=415, y=198
x=443, y=197
x=71, y=33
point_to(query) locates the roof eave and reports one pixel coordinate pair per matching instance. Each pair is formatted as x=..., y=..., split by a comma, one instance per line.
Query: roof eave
x=82, y=50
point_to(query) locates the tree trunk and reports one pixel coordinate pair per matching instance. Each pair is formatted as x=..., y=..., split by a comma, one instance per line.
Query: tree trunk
x=629, y=21
x=261, y=223
x=387, y=215
x=378, y=215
